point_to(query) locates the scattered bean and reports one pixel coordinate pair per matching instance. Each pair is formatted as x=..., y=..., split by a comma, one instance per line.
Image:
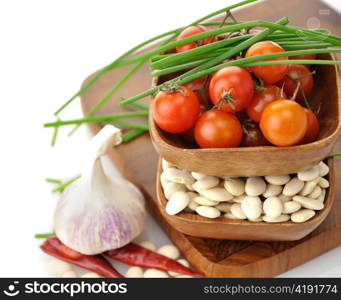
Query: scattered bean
x=302, y=215
x=134, y=272
x=169, y=251
x=90, y=275
x=182, y=261
x=58, y=267
x=146, y=244
x=255, y=186
x=70, y=274
x=208, y=212
x=155, y=273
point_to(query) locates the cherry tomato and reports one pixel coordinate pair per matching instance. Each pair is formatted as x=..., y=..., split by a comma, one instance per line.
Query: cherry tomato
x=218, y=129
x=313, y=129
x=231, y=89
x=197, y=86
x=252, y=135
x=188, y=136
x=289, y=82
x=193, y=30
x=176, y=112
x=269, y=74
x=284, y=122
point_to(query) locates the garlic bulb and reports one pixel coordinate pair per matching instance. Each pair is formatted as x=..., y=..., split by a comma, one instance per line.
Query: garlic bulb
x=98, y=213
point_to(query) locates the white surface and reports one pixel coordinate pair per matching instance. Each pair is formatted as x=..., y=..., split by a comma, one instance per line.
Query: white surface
x=47, y=49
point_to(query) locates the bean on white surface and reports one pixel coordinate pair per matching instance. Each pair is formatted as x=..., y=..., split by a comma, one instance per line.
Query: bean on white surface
x=290, y=207
x=177, y=202
x=205, y=201
x=293, y=187
x=147, y=244
x=155, y=273
x=309, y=203
x=178, y=176
x=252, y=207
x=309, y=175
x=134, y=272
x=57, y=267
x=205, y=183
x=235, y=186
x=272, y=190
x=278, y=179
x=70, y=274
x=217, y=194
x=255, y=186
x=90, y=275
x=184, y=276
x=170, y=251
x=281, y=218
x=323, y=169
x=302, y=215
x=273, y=207
x=237, y=211
x=208, y=212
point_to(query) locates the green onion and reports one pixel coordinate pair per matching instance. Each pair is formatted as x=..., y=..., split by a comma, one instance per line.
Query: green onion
x=132, y=125
x=53, y=180
x=44, y=235
x=63, y=186
x=132, y=134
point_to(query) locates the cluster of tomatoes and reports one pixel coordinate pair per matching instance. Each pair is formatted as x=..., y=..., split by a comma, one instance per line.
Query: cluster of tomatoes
x=231, y=108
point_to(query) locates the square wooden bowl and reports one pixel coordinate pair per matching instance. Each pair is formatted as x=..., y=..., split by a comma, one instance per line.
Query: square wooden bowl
x=264, y=160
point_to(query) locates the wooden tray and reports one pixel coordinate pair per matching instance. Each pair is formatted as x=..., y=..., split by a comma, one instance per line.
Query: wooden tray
x=225, y=258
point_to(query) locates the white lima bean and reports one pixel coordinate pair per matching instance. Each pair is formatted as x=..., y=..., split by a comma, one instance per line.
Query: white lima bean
x=197, y=175
x=291, y=207
x=278, y=179
x=170, y=251
x=281, y=218
x=178, y=176
x=208, y=212
x=293, y=187
x=239, y=199
x=230, y=215
x=302, y=215
x=322, y=196
x=170, y=188
x=309, y=175
x=224, y=207
x=235, y=186
x=166, y=164
x=237, y=211
x=70, y=274
x=182, y=261
x=205, y=183
x=177, y=202
x=192, y=205
x=217, y=194
x=134, y=272
x=90, y=275
x=252, y=207
x=309, y=203
x=323, y=169
x=323, y=183
x=57, y=267
x=308, y=187
x=255, y=186
x=147, y=244
x=273, y=207
x=272, y=190
x=184, y=276
x=284, y=198
x=315, y=193
x=155, y=273
x=205, y=201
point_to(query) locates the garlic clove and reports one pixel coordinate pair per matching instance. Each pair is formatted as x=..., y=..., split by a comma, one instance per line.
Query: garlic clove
x=98, y=212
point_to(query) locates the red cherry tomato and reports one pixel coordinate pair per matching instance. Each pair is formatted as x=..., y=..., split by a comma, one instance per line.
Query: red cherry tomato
x=176, y=112
x=188, y=136
x=218, y=129
x=289, y=82
x=284, y=122
x=252, y=135
x=262, y=99
x=231, y=89
x=269, y=74
x=201, y=91
x=313, y=129
x=193, y=30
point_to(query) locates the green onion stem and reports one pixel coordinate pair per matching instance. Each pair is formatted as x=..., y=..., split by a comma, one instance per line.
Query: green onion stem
x=53, y=180
x=333, y=155
x=293, y=62
x=106, y=118
x=43, y=235
x=140, y=106
x=132, y=134
x=55, y=134
x=62, y=187
x=132, y=125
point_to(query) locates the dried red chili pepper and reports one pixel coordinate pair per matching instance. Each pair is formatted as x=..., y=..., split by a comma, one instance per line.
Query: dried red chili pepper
x=135, y=255
x=95, y=263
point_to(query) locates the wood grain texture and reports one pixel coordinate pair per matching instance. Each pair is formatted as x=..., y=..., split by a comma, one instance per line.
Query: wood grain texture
x=266, y=160
x=225, y=258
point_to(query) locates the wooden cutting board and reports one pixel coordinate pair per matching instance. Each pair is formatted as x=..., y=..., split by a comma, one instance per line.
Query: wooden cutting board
x=138, y=160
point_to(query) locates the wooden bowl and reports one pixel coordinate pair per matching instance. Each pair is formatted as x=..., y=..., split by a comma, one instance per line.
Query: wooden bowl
x=264, y=160
x=223, y=228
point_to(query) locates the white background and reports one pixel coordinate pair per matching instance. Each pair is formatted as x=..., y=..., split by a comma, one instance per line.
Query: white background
x=46, y=49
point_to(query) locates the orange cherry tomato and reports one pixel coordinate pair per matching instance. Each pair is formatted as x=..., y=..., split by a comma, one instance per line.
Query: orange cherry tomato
x=218, y=129
x=313, y=129
x=262, y=99
x=284, y=122
x=269, y=74
x=193, y=30
x=176, y=112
